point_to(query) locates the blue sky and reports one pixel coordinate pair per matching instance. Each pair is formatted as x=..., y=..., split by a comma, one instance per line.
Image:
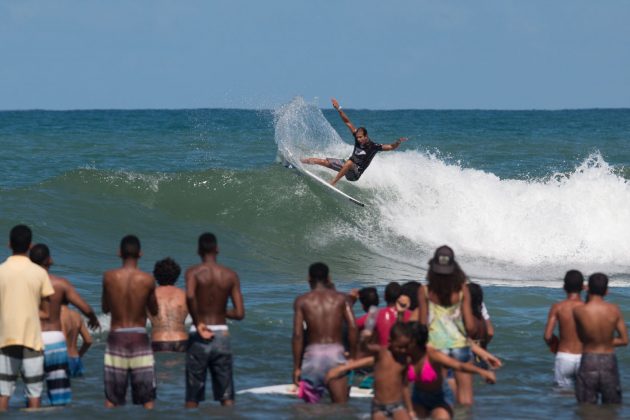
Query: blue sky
x=419, y=54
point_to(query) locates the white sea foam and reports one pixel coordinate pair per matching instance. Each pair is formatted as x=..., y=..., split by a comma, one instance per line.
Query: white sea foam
x=505, y=231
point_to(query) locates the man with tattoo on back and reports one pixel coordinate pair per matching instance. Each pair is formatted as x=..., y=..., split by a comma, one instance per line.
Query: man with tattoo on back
x=168, y=329
x=209, y=285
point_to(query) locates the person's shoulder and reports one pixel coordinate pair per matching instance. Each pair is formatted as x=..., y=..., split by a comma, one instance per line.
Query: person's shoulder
x=301, y=298
x=579, y=310
x=194, y=269
x=613, y=307
x=59, y=281
x=111, y=273
x=143, y=276
x=167, y=292
x=343, y=297
x=226, y=270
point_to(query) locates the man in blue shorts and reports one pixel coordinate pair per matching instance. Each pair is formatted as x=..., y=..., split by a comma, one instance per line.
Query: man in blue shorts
x=362, y=154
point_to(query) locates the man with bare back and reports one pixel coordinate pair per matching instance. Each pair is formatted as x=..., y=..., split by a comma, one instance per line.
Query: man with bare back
x=209, y=286
x=322, y=312
x=55, y=349
x=568, y=348
x=168, y=329
x=128, y=293
x=601, y=328
x=73, y=326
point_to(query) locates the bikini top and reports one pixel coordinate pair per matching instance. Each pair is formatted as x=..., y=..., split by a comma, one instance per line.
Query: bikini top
x=427, y=373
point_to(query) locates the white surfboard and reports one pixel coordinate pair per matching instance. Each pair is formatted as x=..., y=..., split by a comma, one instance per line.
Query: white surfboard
x=291, y=390
x=295, y=165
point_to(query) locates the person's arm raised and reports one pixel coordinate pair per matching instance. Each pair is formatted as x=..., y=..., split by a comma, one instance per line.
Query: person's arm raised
x=394, y=145
x=343, y=116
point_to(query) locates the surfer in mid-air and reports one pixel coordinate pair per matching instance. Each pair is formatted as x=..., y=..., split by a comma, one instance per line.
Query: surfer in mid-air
x=363, y=153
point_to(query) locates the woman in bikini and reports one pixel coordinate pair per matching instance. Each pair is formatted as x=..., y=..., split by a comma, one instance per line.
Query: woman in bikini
x=431, y=395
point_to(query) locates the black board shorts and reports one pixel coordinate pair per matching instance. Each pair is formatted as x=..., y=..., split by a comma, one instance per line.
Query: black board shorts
x=598, y=376
x=214, y=355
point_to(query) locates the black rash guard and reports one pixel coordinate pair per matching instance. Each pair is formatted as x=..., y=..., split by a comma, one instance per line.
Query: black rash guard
x=363, y=154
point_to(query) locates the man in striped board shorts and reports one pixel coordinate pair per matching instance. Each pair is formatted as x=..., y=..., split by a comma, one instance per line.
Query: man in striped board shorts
x=25, y=292
x=128, y=293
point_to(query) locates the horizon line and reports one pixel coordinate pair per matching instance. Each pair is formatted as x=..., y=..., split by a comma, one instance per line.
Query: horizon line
x=325, y=109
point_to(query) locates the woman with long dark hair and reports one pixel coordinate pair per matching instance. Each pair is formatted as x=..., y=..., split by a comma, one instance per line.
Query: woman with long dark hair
x=445, y=308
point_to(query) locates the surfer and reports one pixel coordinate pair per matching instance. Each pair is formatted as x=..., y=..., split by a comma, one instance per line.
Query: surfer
x=362, y=155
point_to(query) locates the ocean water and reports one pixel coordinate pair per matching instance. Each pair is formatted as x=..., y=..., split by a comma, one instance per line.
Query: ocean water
x=521, y=196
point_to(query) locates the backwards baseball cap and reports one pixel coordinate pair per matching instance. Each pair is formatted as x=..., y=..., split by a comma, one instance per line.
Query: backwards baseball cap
x=443, y=261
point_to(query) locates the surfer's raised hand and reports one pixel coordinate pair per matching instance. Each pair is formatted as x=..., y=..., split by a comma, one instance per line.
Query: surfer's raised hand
x=335, y=104
x=394, y=145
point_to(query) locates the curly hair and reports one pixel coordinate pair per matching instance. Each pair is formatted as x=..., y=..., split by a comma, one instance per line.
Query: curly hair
x=166, y=271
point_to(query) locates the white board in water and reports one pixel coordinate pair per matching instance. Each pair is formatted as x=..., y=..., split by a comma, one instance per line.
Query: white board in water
x=298, y=167
x=290, y=389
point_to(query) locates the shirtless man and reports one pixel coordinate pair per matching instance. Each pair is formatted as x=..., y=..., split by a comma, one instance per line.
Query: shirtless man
x=127, y=294
x=168, y=329
x=601, y=328
x=73, y=326
x=362, y=154
x=55, y=349
x=322, y=312
x=568, y=348
x=209, y=285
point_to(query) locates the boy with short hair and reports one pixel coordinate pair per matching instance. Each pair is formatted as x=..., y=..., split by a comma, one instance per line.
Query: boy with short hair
x=568, y=348
x=597, y=322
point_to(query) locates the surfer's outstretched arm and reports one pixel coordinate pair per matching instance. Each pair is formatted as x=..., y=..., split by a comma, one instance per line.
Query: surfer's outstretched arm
x=394, y=145
x=343, y=116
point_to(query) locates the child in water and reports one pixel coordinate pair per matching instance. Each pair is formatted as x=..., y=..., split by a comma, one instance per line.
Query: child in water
x=391, y=393
x=431, y=395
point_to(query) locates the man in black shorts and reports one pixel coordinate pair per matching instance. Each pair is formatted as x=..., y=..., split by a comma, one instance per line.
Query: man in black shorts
x=209, y=288
x=362, y=155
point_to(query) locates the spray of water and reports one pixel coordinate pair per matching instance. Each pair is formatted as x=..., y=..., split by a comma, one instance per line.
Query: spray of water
x=507, y=230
